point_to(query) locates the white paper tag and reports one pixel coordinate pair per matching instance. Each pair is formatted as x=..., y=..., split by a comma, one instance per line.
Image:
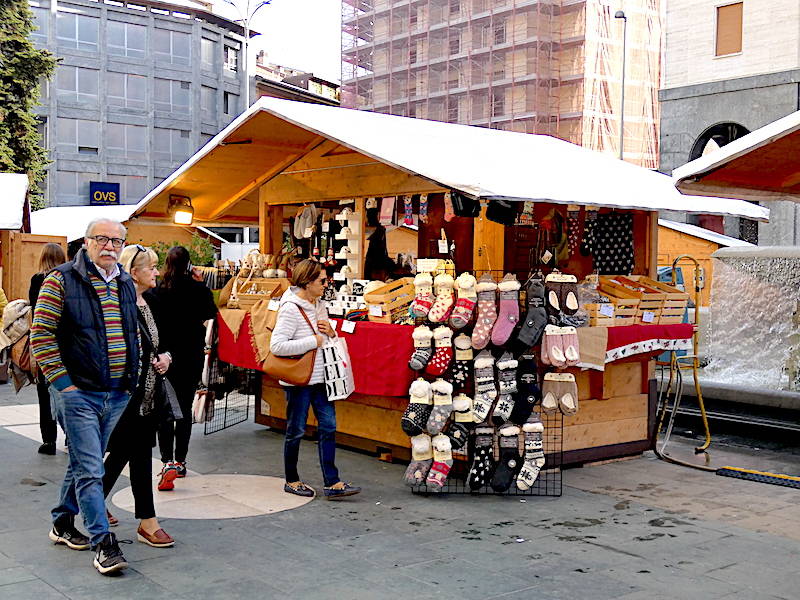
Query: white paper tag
x=337, y=276
x=648, y=317
x=308, y=232
x=335, y=310
x=442, y=246
x=547, y=256
x=333, y=324
x=273, y=305
x=326, y=227
x=375, y=310
x=607, y=310
x=348, y=326
x=427, y=265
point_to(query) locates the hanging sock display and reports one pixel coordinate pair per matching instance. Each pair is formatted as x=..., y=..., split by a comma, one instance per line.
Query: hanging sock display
x=443, y=304
x=408, y=211
x=442, y=406
x=415, y=417
x=449, y=213
x=459, y=374
x=423, y=208
x=487, y=311
x=421, y=460
x=573, y=229
x=510, y=461
x=423, y=348
x=528, y=393
x=507, y=380
x=508, y=317
x=465, y=305
x=442, y=461
x=535, y=320
x=443, y=352
x=483, y=465
x=423, y=299
x=534, y=453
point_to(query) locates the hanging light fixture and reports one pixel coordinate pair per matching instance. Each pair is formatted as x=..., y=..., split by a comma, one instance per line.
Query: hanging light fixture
x=181, y=209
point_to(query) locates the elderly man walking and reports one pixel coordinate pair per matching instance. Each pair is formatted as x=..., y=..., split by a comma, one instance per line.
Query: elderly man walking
x=85, y=338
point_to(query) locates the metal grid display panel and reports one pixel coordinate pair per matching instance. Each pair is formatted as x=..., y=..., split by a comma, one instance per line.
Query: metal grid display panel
x=235, y=390
x=549, y=482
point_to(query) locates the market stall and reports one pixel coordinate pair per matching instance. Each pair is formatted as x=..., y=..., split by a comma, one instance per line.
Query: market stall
x=493, y=210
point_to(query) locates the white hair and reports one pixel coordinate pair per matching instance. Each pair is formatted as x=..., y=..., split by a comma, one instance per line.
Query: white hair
x=99, y=220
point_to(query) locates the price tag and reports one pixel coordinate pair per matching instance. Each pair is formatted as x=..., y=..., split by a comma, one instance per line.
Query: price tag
x=308, y=232
x=326, y=227
x=375, y=310
x=333, y=324
x=547, y=256
x=442, y=246
x=338, y=276
x=273, y=305
x=348, y=326
x=335, y=310
x=607, y=310
x=648, y=317
x=427, y=265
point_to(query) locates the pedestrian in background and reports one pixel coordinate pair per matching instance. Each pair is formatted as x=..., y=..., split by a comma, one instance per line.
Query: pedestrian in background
x=186, y=304
x=52, y=256
x=85, y=339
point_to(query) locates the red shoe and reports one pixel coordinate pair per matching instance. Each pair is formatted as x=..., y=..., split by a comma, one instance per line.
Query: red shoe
x=180, y=467
x=168, y=475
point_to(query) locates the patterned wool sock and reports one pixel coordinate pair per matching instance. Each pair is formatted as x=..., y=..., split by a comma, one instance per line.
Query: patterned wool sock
x=423, y=348
x=588, y=240
x=465, y=305
x=510, y=461
x=443, y=304
x=415, y=417
x=483, y=465
x=484, y=374
x=573, y=231
x=408, y=217
x=442, y=461
x=449, y=213
x=508, y=316
x=569, y=341
x=421, y=460
x=443, y=353
x=487, y=312
x=534, y=453
x=462, y=410
x=458, y=434
x=442, y=406
x=529, y=393
x=482, y=405
x=507, y=378
x=423, y=208
x=536, y=319
x=423, y=299
x=459, y=374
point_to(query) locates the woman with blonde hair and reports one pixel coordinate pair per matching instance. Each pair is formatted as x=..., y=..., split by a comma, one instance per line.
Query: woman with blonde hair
x=52, y=255
x=134, y=436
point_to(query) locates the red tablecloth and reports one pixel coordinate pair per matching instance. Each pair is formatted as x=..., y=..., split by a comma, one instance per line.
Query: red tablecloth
x=640, y=339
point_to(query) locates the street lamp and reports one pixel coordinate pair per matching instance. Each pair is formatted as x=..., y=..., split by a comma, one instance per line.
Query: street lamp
x=245, y=16
x=621, y=15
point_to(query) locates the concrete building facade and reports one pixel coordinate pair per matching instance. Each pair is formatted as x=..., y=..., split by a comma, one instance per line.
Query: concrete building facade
x=729, y=68
x=140, y=87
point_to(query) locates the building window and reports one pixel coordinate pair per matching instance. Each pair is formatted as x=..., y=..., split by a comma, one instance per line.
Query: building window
x=126, y=90
x=77, y=31
x=455, y=43
x=500, y=32
x=208, y=101
x=208, y=53
x=455, y=7
x=126, y=141
x=73, y=188
x=231, y=59
x=76, y=84
x=40, y=21
x=498, y=104
x=171, y=145
x=172, y=96
x=729, y=29
x=77, y=136
x=126, y=39
x=172, y=46
x=452, y=110
x=230, y=103
x=132, y=188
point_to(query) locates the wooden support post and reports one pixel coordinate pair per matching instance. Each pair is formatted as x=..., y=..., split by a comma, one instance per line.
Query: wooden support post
x=488, y=249
x=652, y=246
x=361, y=209
x=270, y=222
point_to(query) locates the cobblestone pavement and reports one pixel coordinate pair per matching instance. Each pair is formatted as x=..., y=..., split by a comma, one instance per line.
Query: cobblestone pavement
x=635, y=529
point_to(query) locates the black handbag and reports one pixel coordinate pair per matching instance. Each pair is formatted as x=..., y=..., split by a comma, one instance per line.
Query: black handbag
x=464, y=206
x=502, y=211
x=166, y=401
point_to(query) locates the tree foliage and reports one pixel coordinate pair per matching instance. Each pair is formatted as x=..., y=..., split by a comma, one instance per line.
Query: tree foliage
x=201, y=251
x=21, y=66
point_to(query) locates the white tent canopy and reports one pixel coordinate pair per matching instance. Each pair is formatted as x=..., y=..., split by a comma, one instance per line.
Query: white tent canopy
x=13, y=188
x=703, y=233
x=481, y=162
x=71, y=221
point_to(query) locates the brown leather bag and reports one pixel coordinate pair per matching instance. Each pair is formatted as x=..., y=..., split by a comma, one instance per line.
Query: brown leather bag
x=294, y=370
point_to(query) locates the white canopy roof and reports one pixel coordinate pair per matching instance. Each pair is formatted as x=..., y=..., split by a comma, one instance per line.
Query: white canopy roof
x=71, y=221
x=481, y=162
x=13, y=187
x=703, y=233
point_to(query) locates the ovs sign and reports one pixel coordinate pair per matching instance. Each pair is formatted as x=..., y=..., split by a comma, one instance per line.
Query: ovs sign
x=103, y=194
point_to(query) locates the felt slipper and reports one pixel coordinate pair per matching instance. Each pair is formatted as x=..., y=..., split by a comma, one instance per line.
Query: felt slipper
x=568, y=295
x=552, y=290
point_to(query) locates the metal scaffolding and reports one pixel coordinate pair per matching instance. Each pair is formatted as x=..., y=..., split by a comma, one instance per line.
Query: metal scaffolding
x=532, y=66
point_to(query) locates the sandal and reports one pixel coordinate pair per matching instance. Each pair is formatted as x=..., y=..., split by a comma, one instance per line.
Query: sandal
x=298, y=488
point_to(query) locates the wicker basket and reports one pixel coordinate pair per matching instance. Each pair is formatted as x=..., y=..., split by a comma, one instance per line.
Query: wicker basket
x=392, y=299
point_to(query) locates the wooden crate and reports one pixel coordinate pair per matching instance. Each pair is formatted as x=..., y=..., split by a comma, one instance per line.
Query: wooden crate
x=626, y=307
x=651, y=300
x=265, y=288
x=675, y=302
x=392, y=299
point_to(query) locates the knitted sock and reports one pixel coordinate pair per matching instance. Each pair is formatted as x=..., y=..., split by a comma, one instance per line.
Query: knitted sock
x=423, y=348
x=510, y=460
x=534, y=453
x=569, y=341
x=587, y=242
x=507, y=377
x=482, y=405
x=408, y=217
x=567, y=397
x=550, y=395
x=529, y=393
x=465, y=305
x=458, y=434
x=415, y=417
x=536, y=319
x=423, y=208
x=421, y=460
x=443, y=354
x=487, y=312
x=484, y=374
x=459, y=374
x=462, y=410
x=443, y=304
x=508, y=316
x=573, y=231
x=552, y=293
x=442, y=406
x=423, y=299
x=483, y=465
x=442, y=461
x=449, y=213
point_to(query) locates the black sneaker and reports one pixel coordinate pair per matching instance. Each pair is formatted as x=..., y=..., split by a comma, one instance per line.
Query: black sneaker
x=108, y=558
x=47, y=448
x=64, y=532
x=340, y=490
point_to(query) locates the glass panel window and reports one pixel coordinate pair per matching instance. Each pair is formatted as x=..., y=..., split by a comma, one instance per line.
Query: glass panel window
x=172, y=96
x=77, y=84
x=126, y=141
x=208, y=53
x=171, y=145
x=126, y=90
x=77, y=31
x=231, y=59
x=208, y=100
x=40, y=21
x=231, y=103
x=73, y=188
x=77, y=136
x=172, y=46
x=126, y=39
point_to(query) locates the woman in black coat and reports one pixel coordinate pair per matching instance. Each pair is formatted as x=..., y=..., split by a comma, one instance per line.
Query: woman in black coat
x=186, y=304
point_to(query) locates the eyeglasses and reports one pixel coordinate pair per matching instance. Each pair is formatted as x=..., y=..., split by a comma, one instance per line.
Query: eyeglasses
x=104, y=239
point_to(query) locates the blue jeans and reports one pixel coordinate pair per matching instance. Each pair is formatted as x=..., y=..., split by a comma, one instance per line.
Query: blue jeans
x=87, y=418
x=298, y=399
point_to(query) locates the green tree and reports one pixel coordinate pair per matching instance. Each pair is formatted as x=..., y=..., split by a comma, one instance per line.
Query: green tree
x=21, y=66
x=201, y=251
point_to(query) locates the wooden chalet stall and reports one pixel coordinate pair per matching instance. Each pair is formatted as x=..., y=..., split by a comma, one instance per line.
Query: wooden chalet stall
x=280, y=156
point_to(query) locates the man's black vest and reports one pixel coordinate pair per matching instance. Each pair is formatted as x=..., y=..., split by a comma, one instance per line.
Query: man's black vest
x=82, y=331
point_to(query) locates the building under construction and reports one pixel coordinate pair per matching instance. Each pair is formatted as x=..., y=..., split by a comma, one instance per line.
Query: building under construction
x=534, y=66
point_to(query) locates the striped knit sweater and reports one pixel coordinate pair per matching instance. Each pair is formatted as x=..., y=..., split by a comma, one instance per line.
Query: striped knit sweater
x=45, y=324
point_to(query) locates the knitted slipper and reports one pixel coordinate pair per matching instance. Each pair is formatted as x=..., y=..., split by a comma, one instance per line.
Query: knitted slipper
x=536, y=319
x=423, y=348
